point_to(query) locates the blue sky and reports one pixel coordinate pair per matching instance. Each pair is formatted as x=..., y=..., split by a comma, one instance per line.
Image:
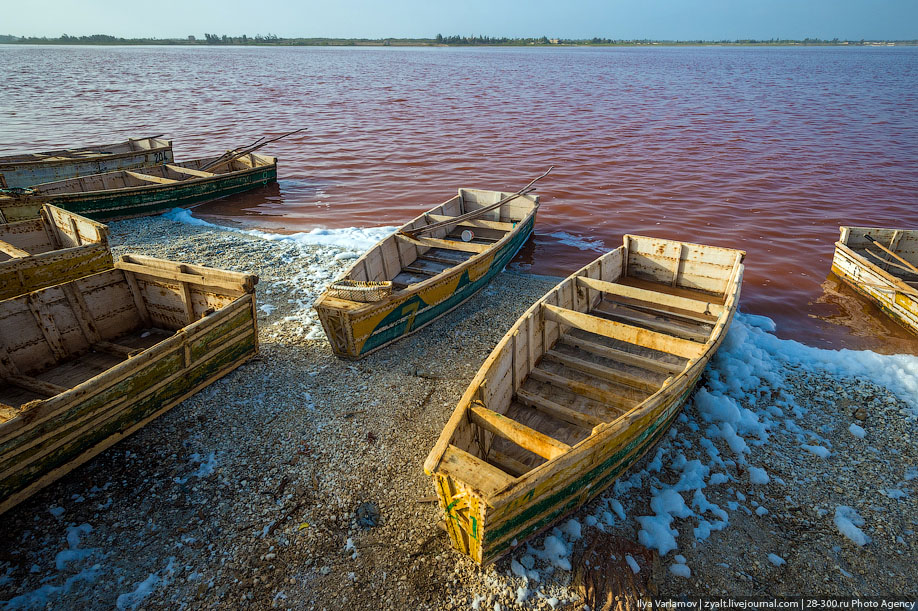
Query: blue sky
x=628, y=19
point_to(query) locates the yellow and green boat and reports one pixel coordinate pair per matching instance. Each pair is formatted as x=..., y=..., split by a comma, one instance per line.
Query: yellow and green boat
x=580, y=388
x=130, y=193
x=425, y=269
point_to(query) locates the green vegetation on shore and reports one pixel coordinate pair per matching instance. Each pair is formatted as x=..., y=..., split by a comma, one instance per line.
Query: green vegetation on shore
x=438, y=40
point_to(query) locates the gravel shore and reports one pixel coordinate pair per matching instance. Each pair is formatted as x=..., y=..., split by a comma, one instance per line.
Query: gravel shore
x=297, y=482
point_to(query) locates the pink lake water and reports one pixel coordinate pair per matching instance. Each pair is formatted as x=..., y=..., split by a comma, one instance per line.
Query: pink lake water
x=767, y=149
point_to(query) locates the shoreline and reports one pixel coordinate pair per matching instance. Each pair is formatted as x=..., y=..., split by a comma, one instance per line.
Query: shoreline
x=248, y=492
x=420, y=44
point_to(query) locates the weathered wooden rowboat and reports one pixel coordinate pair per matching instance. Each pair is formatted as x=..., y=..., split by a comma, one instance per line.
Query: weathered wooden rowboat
x=881, y=265
x=130, y=193
x=582, y=386
x=430, y=274
x=55, y=247
x=17, y=171
x=88, y=362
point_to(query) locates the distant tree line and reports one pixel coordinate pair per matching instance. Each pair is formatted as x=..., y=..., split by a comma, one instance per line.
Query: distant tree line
x=439, y=39
x=258, y=39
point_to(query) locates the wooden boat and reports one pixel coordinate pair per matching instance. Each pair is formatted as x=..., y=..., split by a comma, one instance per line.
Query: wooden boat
x=130, y=193
x=582, y=386
x=881, y=265
x=429, y=274
x=55, y=247
x=88, y=362
x=17, y=171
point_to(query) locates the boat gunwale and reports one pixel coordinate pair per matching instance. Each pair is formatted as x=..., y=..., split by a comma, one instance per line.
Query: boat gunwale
x=449, y=272
x=9, y=162
x=106, y=193
x=519, y=485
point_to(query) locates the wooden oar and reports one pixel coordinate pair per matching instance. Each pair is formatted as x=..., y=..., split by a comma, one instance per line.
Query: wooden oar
x=251, y=149
x=475, y=213
x=227, y=154
x=910, y=267
x=878, y=257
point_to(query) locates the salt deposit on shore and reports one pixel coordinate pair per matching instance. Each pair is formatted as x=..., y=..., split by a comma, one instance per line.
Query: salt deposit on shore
x=296, y=481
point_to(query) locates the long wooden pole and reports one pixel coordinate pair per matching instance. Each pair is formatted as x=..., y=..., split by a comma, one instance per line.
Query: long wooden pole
x=887, y=261
x=233, y=156
x=911, y=267
x=476, y=213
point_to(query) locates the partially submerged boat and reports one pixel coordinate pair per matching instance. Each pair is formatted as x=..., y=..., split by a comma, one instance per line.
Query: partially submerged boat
x=414, y=276
x=85, y=363
x=54, y=247
x=18, y=171
x=882, y=265
x=582, y=386
x=130, y=193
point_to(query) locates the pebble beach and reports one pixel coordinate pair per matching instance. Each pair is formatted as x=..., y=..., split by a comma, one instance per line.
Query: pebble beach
x=296, y=481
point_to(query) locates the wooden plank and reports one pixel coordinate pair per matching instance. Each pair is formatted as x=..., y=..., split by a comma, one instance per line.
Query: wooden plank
x=520, y=434
x=582, y=388
x=620, y=355
x=81, y=312
x=433, y=258
x=165, y=274
x=675, y=314
x=187, y=302
x=139, y=303
x=601, y=371
x=76, y=231
x=480, y=476
x=115, y=349
x=893, y=243
x=479, y=223
x=413, y=269
x=452, y=245
x=190, y=172
x=556, y=410
x=507, y=463
x=45, y=322
x=13, y=251
x=35, y=385
x=645, y=319
x=148, y=178
x=652, y=297
x=623, y=332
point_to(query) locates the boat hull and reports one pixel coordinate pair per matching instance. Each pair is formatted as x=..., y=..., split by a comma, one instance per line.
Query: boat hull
x=559, y=495
x=356, y=335
x=877, y=286
x=143, y=201
x=76, y=257
x=22, y=175
x=583, y=385
x=51, y=437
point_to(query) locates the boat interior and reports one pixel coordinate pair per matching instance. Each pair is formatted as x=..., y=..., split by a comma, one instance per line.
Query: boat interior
x=56, y=338
x=129, y=146
x=166, y=174
x=591, y=351
x=54, y=229
x=902, y=242
x=406, y=261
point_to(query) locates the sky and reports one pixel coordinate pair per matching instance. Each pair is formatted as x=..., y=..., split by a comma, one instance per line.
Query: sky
x=616, y=19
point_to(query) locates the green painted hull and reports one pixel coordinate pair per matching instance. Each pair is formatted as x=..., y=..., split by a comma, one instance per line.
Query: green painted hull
x=142, y=201
x=38, y=455
x=568, y=498
x=398, y=324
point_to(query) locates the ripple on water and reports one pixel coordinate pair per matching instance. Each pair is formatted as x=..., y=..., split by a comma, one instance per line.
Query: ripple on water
x=765, y=149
